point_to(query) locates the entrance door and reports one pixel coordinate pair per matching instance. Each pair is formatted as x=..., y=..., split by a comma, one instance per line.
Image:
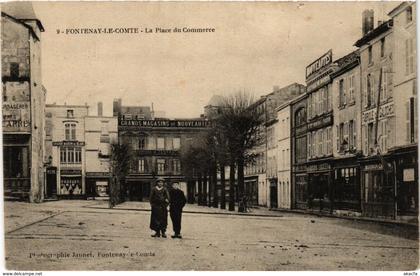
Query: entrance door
x=407, y=193
x=139, y=191
x=273, y=195
x=51, y=189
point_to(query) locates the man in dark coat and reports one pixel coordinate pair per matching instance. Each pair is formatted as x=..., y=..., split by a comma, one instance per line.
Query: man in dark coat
x=178, y=201
x=159, y=201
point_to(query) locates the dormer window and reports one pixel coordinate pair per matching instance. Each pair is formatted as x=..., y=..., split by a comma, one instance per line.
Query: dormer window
x=70, y=113
x=409, y=15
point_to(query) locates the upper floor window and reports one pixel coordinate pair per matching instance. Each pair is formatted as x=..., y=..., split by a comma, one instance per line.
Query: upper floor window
x=177, y=143
x=142, y=142
x=369, y=86
x=409, y=56
x=177, y=166
x=383, y=47
x=342, y=93
x=370, y=54
x=409, y=15
x=142, y=167
x=161, y=166
x=351, y=88
x=70, y=155
x=70, y=113
x=300, y=117
x=70, y=132
x=160, y=143
x=14, y=70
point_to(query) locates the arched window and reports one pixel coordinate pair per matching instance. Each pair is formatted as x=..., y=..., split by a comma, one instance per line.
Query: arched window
x=409, y=14
x=300, y=116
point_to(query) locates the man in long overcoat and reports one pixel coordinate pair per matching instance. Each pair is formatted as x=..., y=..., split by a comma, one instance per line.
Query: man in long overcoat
x=178, y=201
x=159, y=201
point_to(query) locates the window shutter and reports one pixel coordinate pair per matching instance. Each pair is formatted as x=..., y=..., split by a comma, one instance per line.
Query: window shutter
x=407, y=61
x=407, y=121
x=365, y=96
x=354, y=134
x=366, y=150
x=337, y=137
x=415, y=119
x=345, y=88
x=411, y=56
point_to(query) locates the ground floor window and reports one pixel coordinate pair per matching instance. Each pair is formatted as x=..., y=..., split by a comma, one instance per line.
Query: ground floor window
x=15, y=162
x=301, y=193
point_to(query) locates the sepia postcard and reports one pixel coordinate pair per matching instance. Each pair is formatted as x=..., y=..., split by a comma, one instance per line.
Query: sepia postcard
x=209, y=136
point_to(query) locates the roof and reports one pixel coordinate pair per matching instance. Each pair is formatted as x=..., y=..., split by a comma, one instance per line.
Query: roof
x=399, y=7
x=384, y=27
x=21, y=10
x=216, y=100
x=346, y=63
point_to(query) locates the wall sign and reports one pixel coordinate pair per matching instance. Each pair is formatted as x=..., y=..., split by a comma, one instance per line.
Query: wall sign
x=16, y=107
x=163, y=123
x=385, y=111
x=321, y=122
x=408, y=175
x=318, y=64
x=69, y=143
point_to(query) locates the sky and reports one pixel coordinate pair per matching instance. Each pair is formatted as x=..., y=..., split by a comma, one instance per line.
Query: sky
x=255, y=46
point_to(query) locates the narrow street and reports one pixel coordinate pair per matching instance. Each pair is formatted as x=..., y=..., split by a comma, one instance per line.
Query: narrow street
x=85, y=235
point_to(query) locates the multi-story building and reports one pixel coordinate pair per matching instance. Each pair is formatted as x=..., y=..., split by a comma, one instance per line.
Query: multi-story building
x=100, y=132
x=404, y=152
x=346, y=132
x=65, y=146
x=319, y=124
x=378, y=117
x=284, y=143
x=256, y=178
x=23, y=102
x=155, y=144
x=255, y=173
x=299, y=154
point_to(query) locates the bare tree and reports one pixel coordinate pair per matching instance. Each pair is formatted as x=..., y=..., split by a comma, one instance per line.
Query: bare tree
x=239, y=121
x=119, y=169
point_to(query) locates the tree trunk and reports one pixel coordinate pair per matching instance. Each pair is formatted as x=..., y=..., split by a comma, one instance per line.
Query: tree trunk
x=215, y=194
x=222, y=186
x=211, y=187
x=204, y=203
x=200, y=190
x=232, y=186
x=241, y=183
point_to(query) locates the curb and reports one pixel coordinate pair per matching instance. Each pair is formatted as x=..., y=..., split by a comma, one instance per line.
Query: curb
x=234, y=213
x=366, y=219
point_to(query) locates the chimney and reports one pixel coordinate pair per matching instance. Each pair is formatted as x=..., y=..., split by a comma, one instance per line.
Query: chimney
x=116, y=107
x=367, y=21
x=100, y=109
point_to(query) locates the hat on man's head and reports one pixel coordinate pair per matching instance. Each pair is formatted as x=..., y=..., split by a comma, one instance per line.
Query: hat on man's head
x=160, y=179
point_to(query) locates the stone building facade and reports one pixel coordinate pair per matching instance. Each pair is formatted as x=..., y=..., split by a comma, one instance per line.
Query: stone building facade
x=65, y=145
x=156, y=144
x=23, y=102
x=346, y=133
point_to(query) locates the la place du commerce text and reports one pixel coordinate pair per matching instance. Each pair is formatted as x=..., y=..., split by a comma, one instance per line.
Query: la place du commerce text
x=75, y=31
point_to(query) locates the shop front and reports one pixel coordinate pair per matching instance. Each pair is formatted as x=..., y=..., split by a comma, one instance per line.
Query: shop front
x=16, y=165
x=71, y=184
x=251, y=189
x=320, y=184
x=346, y=184
x=405, y=161
x=300, y=180
x=97, y=184
x=273, y=192
x=378, y=187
